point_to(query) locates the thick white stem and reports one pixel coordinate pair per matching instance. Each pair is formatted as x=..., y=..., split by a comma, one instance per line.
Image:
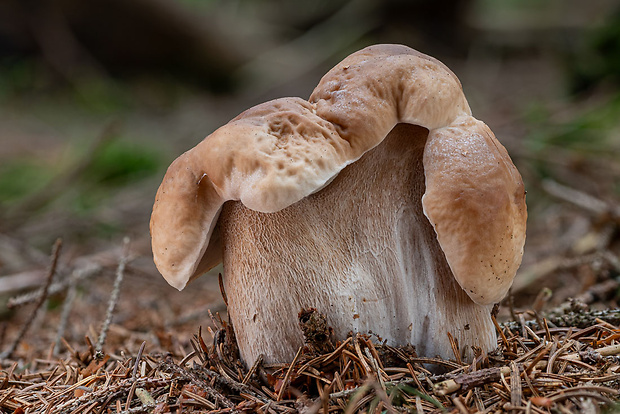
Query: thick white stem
x=361, y=251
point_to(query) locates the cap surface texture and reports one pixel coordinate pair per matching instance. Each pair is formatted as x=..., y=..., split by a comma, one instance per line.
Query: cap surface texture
x=276, y=153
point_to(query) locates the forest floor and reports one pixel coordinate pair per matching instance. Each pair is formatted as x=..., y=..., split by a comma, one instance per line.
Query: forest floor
x=168, y=351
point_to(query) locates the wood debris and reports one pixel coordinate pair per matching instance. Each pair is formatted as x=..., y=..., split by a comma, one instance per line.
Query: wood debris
x=557, y=369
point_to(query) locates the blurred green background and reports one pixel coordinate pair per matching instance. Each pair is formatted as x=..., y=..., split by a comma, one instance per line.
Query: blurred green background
x=98, y=97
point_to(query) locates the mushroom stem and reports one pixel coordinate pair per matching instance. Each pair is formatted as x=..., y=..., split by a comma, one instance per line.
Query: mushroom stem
x=361, y=251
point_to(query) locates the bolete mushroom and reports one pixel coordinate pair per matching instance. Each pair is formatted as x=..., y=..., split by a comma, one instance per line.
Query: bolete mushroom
x=380, y=201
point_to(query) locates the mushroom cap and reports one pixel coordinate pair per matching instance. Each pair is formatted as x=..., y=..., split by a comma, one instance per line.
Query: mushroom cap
x=475, y=200
x=279, y=152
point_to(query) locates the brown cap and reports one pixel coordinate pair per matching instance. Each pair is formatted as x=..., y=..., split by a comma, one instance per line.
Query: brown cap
x=279, y=152
x=475, y=200
x=269, y=157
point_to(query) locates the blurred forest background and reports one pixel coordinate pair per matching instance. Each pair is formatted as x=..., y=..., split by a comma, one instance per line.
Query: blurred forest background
x=98, y=97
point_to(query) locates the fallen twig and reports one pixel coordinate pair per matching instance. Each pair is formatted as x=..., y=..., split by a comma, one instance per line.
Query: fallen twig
x=120, y=272
x=66, y=311
x=87, y=270
x=50, y=275
x=579, y=198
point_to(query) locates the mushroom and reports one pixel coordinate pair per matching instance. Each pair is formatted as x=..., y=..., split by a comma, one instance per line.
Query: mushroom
x=380, y=201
